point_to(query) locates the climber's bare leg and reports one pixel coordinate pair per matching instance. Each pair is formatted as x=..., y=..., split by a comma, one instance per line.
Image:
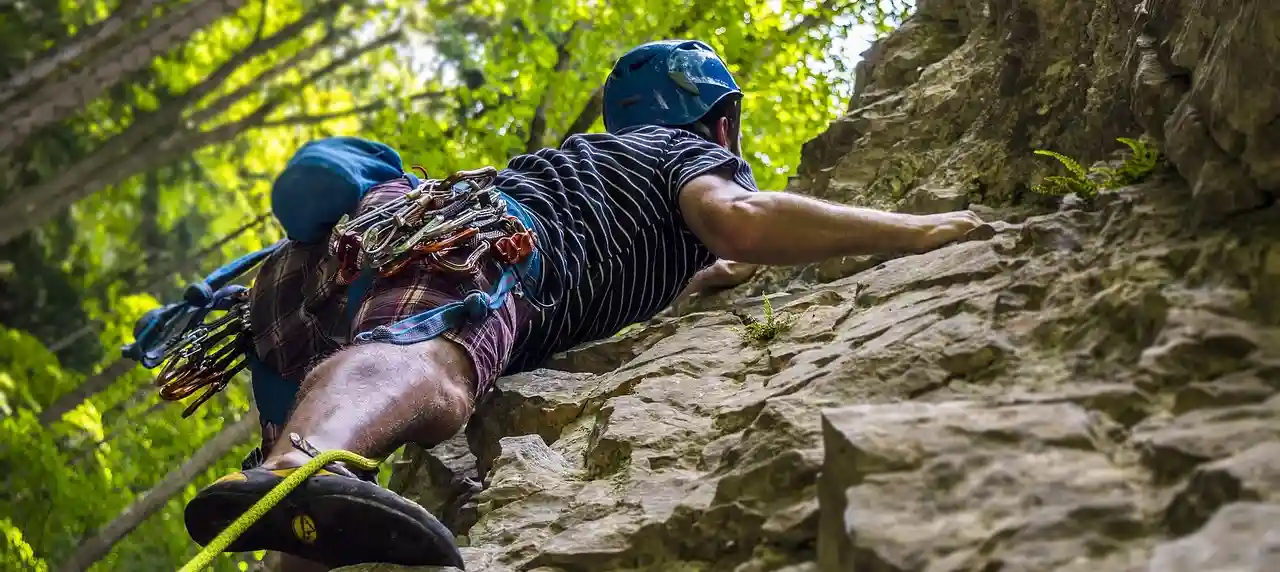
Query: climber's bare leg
x=372, y=398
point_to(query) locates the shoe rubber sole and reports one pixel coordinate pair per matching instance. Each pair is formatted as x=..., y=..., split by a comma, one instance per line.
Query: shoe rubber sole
x=333, y=520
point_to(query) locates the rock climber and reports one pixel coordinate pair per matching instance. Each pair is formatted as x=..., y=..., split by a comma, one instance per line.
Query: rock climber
x=623, y=220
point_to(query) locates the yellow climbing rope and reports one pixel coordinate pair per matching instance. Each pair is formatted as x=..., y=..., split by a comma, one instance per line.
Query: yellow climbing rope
x=264, y=504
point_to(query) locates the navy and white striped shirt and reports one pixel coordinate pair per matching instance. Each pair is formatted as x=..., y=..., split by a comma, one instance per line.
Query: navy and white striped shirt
x=609, y=223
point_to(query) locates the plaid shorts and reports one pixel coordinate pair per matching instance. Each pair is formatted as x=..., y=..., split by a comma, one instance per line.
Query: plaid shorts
x=299, y=316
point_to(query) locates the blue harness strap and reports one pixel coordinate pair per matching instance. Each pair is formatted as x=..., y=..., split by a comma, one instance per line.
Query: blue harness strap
x=272, y=393
x=475, y=307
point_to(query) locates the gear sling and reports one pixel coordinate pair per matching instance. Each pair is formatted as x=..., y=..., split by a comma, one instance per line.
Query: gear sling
x=461, y=215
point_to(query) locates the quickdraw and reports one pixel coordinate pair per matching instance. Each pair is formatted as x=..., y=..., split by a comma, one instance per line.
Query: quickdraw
x=452, y=224
x=207, y=357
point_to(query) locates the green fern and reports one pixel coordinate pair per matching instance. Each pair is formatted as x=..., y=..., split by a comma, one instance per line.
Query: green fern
x=1139, y=165
x=1076, y=181
x=1066, y=161
x=765, y=331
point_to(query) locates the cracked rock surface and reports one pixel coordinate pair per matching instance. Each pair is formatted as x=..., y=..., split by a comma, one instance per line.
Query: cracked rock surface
x=1094, y=388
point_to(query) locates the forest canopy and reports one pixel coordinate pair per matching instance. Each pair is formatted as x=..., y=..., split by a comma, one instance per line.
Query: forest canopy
x=138, y=141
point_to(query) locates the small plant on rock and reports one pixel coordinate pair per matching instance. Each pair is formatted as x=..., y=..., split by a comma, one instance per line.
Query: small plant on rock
x=1076, y=180
x=765, y=331
x=898, y=175
x=1141, y=161
x=1086, y=183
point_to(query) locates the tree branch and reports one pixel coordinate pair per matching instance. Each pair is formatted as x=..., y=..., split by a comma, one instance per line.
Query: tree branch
x=591, y=111
x=262, y=21
x=96, y=383
x=538, y=126
x=184, y=264
x=132, y=140
x=358, y=110
x=296, y=120
x=259, y=116
x=15, y=222
x=254, y=49
x=81, y=453
x=226, y=101
x=19, y=213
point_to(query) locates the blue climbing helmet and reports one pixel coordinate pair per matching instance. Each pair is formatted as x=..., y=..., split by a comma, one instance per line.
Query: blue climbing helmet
x=669, y=82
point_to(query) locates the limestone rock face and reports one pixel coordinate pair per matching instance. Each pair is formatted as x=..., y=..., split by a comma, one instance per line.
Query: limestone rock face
x=1094, y=388
x=949, y=107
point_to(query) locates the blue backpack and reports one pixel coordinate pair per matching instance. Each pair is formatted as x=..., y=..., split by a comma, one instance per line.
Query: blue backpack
x=320, y=186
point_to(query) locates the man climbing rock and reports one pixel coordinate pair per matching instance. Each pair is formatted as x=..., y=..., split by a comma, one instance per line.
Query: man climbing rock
x=614, y=227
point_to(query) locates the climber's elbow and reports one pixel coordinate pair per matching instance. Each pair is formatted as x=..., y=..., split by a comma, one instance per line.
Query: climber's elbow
x=727, y=218
x=738, y=233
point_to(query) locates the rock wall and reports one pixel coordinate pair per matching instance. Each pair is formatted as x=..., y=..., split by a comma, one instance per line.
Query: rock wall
x=1096, y=388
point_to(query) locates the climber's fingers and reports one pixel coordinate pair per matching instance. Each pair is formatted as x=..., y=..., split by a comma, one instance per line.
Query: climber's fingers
x=985, y=231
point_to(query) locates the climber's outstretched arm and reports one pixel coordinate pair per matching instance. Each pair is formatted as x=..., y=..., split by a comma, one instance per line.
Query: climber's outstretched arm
x=785, y=228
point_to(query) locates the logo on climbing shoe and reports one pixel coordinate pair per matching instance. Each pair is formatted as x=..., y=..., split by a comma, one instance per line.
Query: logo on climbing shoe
x=304, y=528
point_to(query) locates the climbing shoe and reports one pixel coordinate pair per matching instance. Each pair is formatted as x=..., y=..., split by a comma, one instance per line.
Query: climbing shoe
x=335, y=517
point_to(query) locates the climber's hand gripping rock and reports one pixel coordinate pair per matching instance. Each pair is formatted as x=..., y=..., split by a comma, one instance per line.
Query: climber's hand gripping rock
x=956, y=226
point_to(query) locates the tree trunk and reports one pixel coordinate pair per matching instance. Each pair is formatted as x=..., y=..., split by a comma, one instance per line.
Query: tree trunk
x=98, y=546
x=150, y=232
x=180, y=144
x=146, y=131
x=59, y=100
x=151, y=143
x=91, y=386
x=86, y=41
x=538, y=127
x=590, y=112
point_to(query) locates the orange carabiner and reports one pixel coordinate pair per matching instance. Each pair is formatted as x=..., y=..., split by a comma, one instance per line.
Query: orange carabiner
x=514, y=249
x=348, y=255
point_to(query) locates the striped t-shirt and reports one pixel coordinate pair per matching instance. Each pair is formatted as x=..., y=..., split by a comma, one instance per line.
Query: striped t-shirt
x=615, y=247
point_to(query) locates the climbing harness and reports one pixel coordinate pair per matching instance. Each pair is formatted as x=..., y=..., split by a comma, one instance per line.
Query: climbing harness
x=272, y=498
x=464, y=217
x=454, y=225
x=462, y=213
